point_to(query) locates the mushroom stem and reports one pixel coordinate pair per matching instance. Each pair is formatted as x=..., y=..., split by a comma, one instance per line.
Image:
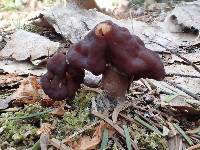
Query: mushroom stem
x=114, y=83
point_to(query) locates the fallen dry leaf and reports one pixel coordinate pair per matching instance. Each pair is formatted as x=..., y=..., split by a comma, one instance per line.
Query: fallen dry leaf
x=9, y=79
x=47, y=102
x=87, y=142
x=28, y=92
x=60, y=111
x=185, y=105
x=45, y=128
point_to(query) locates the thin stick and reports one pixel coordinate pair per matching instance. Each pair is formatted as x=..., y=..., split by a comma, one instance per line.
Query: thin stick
x=194, y=147
x=80, y=132
x=181, y=75
x=184, y=90
x=115, y=126
x=120, y=108
x=58, y=144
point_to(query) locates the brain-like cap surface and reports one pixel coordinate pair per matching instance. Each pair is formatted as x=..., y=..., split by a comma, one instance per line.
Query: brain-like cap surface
x=109, y=43
x=61, y=80
x=89, y=53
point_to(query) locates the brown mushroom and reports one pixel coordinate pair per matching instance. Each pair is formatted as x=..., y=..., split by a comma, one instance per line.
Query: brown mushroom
x=111, y=50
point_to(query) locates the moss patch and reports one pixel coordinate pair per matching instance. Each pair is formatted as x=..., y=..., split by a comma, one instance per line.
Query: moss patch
x=19, y=128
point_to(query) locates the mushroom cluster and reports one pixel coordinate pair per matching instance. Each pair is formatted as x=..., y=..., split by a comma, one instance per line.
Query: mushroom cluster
x=108, y=49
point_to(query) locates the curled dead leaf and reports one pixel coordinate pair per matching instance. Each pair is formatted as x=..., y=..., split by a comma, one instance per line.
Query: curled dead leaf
x=45, y=128
x=28, y=92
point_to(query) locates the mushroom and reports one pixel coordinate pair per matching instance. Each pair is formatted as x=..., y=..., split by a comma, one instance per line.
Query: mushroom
x=61, y=80
x=108, y=49
x=120, y=57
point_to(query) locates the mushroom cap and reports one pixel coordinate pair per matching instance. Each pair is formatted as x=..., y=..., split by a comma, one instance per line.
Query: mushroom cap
x=57, y=64
x=129, y=54
x=61, y=80
x=109, y=43
x=89, y=53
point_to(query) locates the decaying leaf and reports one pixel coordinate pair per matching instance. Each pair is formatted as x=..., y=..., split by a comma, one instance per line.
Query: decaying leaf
x=45, y=128
x=28, y=92
x=9, y=79
x=87, y=142
x=60, y=111
x=46, y=102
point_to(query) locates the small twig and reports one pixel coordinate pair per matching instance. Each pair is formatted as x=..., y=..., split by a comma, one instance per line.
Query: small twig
x=173, y=130
x=183, y=134
x=145, y=82
x=80, y=132
x=196, y=136
x=184, y=90
x=96, y=90
x=58, y=144
x=194, y=131
x=181, y=75
x=120, y=108
x=86, y=25
x=194, y=147
x=115, y=126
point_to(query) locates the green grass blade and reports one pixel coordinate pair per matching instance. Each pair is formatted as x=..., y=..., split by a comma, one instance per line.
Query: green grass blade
x=150, y=127
x=31, y=115
x=128, y=138
x=187, y=138
x=104, y=142
x=36, y=146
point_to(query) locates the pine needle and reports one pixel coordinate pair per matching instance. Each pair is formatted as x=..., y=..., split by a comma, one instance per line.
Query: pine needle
x=183, y=134
x=150, y=127
x=127, y=136
x=104, y=142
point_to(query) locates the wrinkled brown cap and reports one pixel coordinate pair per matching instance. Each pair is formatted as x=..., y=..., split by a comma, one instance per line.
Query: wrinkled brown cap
x=109, y=43
x=89, y=53
x=61, y=80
